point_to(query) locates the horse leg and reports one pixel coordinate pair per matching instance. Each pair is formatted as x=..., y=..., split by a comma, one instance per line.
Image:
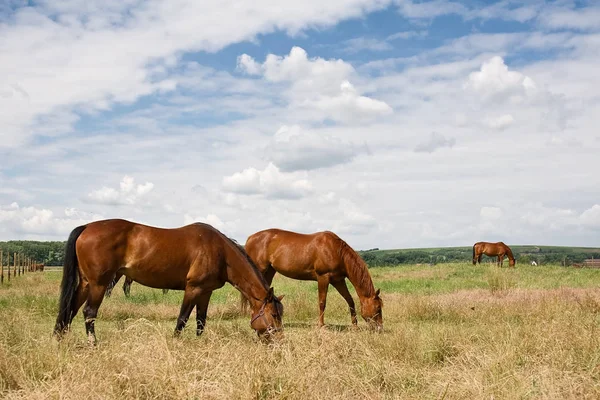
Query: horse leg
x=343, y=290
x=269, y=274
x=190, y=298
x=112, y=284
x=323, y=282
x=90, y=311
x=479, y=258
x=127, y=286
x=201, y=310
x=80, y=298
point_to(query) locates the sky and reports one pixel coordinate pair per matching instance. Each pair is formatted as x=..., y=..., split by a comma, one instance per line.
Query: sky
x=395, y=124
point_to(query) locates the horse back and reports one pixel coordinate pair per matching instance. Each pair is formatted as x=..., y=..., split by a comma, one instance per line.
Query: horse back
x=295, y=255
x=148, y=255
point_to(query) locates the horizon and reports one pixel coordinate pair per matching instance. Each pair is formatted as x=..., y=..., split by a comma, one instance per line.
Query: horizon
x=390, y=123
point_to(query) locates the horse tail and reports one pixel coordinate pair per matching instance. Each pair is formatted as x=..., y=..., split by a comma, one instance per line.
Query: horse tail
x=70, y=281
x=474, y=262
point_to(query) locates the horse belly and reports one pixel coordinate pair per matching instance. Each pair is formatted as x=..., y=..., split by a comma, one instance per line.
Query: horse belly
x=159, y=276
x=300, y=275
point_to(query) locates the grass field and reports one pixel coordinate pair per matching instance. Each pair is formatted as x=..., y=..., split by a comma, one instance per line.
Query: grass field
x=452, y=331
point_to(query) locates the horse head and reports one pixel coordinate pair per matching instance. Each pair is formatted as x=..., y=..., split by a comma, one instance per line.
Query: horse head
x=266, y=320
x=371, y=311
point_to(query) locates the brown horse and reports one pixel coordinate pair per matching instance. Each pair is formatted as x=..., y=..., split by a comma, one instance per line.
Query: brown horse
x=38, y=267
x=493, y=249
x=321, y=257
x=195, y=258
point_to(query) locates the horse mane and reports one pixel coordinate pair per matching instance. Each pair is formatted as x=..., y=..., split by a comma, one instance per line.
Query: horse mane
x=240, y=248
x=357, y=270
x=250, y=261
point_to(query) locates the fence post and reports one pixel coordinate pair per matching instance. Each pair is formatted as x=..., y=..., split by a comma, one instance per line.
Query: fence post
x=1, y=267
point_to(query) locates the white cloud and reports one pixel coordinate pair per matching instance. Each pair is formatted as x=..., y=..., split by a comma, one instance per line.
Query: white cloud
x=354, y=220
x=227, y=228
x=269, y=182
x=294, y=149
x=429, y=9
x=564, y=17
x=349, y=105
x=407, y=35
x=327, y=198
x=34, y=222
x=305, y=74
x=490, y=213
x=128, y=193
x=516, y=97
x=318, y=85
x=591, y=216
x=247, y=64
x=502, y=122
x=197, y=124
x=359, y=44
x=494, y=81
x=88, y=55
x=436, y=141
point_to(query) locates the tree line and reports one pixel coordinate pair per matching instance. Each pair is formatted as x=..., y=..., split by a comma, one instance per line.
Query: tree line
x=49, y=253
x=52, y=254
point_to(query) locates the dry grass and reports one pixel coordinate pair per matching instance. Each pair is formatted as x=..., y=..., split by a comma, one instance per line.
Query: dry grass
x=500, y=341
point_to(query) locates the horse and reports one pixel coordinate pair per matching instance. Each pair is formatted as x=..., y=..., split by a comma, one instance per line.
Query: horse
x=126, y=286
x=493, y=249
x=321, y=257
x=195, y=258
x=128, y=281
x=38, y=267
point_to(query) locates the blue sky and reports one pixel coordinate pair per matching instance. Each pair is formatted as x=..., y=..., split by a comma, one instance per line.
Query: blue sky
x=393, y=123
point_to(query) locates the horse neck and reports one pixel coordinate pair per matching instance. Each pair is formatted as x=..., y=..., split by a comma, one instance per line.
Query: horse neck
x=357, y=272
x=509, y=253
x=245, y=277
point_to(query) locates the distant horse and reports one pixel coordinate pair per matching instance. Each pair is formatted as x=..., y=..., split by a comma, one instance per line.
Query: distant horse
x=195, y=258
x=321, y=257
x=126, y=286
x=38, y=267
x=493, y=249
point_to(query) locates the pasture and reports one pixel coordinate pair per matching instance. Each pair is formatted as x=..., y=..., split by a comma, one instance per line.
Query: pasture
x=452, y=331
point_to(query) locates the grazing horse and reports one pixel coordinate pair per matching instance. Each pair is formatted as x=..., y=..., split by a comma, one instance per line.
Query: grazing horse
x=321, y=257
x=195, y=258
x=493, y=249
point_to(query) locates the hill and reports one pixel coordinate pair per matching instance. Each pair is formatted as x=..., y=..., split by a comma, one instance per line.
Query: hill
x=523, y=254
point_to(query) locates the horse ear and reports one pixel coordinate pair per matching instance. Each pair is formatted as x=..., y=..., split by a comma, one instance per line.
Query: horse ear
x=377, y=292
x=281, y=297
